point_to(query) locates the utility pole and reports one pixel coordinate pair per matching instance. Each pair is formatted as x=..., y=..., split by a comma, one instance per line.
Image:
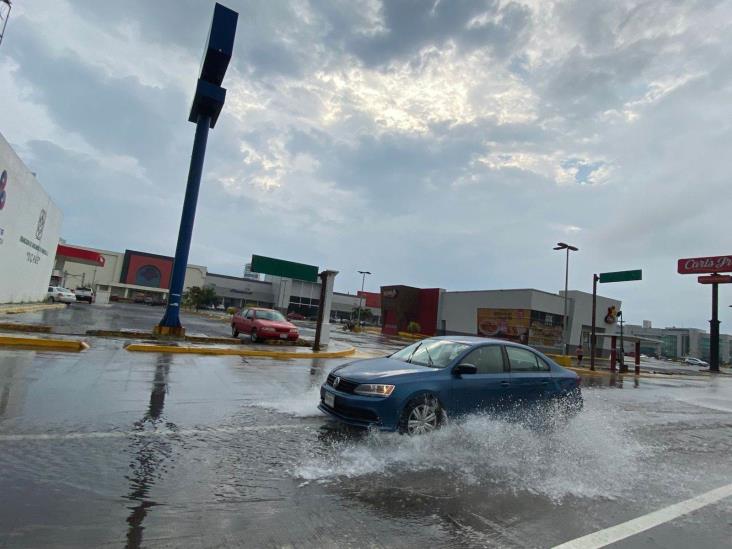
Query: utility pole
x=360, y=297
x=565, y=246
x=593, y=338
x=623, y=368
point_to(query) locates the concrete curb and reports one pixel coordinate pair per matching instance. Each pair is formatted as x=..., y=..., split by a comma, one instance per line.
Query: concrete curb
x=139, y=334
x=413, y=337
x=36, y=343
x=29, y=308
x=176, y=349
x=35, y=328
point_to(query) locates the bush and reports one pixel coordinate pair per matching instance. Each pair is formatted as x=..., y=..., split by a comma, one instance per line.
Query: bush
x=232, y=310
x=414, y=327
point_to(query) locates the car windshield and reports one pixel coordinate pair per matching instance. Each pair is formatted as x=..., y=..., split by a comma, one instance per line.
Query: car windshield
x=270, y=315
x=435, y=353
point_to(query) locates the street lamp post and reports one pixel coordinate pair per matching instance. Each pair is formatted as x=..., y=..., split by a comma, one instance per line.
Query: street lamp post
x=360, y=297
x=564, y=246
x=207, y=104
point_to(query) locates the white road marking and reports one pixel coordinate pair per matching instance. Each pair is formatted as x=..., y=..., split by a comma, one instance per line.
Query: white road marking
x=646, y=522
x=150, y=433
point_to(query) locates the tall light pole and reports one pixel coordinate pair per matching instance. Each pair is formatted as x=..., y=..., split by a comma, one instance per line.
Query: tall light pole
x=360, y=297
x=565, y=246
x=207, y=104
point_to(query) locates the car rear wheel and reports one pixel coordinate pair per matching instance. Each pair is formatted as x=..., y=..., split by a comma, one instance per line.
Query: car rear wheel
x=234, y=331
x=254, y=336
x=421, y=416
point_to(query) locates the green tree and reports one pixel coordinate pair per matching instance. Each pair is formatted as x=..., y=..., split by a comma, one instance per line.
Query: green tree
x=366, y=314
x=198, y=297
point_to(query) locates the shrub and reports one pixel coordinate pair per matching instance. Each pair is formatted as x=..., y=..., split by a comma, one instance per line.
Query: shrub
x=414, y=327
x=232, y=310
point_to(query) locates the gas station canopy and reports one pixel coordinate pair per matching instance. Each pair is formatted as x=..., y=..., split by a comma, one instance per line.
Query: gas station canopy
x=79, y=255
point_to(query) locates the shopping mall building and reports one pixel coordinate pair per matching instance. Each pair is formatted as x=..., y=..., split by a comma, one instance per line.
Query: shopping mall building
x=144, y=277
x=528, y=316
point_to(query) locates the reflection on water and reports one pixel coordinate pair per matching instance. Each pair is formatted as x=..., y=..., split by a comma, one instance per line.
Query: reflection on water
x=149, y=453
x=618, y=381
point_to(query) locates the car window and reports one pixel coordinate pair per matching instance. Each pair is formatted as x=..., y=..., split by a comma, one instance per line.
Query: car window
x=275, y=316
x=488, y=359
x=523, y=360
x=50, y=289
x=436, y=353
x=250, y=314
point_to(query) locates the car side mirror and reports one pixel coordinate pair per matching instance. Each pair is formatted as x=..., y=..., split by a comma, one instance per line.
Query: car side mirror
x=461, y=369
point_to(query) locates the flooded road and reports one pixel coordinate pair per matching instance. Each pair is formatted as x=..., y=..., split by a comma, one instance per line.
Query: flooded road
x=110, y=448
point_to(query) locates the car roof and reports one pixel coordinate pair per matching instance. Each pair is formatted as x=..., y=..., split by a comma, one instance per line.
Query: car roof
x=475, y=340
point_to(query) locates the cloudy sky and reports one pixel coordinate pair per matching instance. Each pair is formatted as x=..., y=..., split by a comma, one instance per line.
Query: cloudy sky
x=434, y=143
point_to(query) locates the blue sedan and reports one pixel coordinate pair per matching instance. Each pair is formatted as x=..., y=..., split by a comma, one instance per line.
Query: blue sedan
x=414, y=389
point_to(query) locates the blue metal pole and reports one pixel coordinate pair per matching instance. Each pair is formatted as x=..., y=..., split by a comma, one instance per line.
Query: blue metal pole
x=171, y=319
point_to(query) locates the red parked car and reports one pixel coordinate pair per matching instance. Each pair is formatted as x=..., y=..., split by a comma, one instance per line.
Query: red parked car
x=295, y=316
x=261, y=324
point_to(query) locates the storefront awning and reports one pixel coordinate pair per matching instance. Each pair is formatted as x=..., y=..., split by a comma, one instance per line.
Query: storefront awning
x=79, y=255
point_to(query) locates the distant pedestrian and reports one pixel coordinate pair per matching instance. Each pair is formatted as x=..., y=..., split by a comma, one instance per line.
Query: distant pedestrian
x=580, y=354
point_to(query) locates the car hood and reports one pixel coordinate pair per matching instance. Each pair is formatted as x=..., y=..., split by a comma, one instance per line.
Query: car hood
x=375, y=368
x=274, y=324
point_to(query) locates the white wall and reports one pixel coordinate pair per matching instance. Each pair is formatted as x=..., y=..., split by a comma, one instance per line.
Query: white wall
x=27, y=245
x=459, y=309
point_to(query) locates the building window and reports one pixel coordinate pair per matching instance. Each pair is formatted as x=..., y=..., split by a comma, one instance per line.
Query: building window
x=148, y=275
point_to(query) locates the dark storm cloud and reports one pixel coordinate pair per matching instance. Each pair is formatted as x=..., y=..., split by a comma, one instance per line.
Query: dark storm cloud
x=585, y=84
x=413, y=24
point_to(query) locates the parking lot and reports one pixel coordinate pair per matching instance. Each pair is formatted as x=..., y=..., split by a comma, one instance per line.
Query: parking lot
x=109, y=447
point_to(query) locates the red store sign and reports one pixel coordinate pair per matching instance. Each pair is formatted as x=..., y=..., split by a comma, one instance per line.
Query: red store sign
x=697, y=265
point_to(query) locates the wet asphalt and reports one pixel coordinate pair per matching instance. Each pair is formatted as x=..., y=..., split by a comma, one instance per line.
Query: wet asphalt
x=111, y=448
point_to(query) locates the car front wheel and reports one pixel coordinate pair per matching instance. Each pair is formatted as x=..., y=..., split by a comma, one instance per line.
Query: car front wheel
x=234, y=331
x=421, y=416
x=254, y=336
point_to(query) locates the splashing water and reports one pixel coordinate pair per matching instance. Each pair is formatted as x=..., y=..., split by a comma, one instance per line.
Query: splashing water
x=297, y=405
x=580, y=458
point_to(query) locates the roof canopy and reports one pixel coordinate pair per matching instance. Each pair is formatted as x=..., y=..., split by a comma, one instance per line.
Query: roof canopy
x=79, y=255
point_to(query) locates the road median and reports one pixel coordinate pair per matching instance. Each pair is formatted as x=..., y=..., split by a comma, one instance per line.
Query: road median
x=37, y=343
x=230, y=351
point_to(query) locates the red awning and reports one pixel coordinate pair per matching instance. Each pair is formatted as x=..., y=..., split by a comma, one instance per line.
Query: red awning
x=80, y=255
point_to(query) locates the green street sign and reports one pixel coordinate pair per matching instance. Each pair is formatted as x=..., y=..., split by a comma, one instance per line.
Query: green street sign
x=621, y=276
x=287, y=269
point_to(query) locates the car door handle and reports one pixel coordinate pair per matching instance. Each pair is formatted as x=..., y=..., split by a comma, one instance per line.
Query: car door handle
x=505, y=383
x=545, y=383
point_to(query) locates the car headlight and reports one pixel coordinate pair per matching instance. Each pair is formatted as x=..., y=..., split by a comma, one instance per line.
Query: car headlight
x=372, y=389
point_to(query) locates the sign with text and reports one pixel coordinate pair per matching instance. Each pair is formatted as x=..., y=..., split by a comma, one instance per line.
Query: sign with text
x=621, y=276
x=700, y=265
x=715, y=279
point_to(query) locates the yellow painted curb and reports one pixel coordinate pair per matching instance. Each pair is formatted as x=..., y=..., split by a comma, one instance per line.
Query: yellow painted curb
x=176, y=349
x=38, y=343
x=562, y=360
x=29, y=308
x=415, y=337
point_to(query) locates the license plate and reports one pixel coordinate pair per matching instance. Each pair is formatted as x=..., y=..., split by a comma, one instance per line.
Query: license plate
x=283, y=336
x=329, y=399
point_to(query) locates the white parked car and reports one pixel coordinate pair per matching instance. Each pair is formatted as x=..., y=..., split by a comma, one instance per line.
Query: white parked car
x=691, y=361
x=60, y=295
